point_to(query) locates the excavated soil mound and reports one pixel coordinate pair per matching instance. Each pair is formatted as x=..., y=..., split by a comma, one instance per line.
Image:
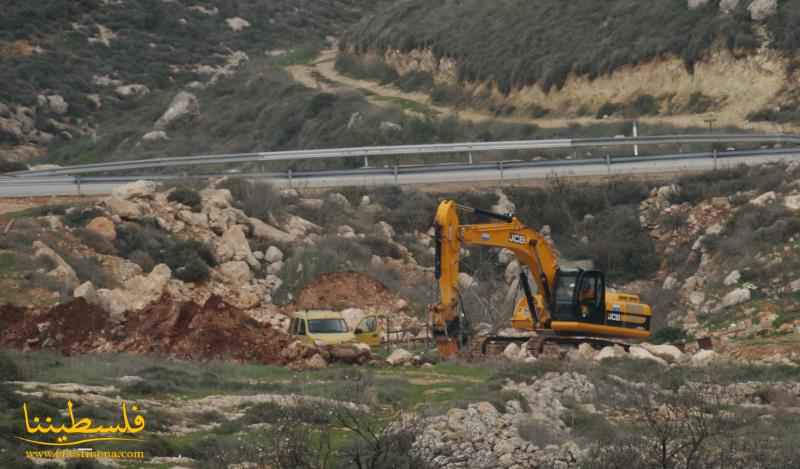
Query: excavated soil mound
x=342, y=290
x=68, y=327
x=212, y=331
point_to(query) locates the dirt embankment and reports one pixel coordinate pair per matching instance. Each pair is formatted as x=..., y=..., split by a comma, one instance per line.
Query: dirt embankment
x=212, y=331
x=342, y=290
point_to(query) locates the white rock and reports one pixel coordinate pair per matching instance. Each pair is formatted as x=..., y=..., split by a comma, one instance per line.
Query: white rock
x=760, y=10
x=385, y=230
x=714, y=229
x=670, y=353
x=134, y=190
x=275, y=268
x=237, y=24
x=504, y=205
x=346, y=231
x=236, y=272
x=792, y=202
x=233, y=245
x=732, y=278
x=124, y=208
x=735, y=297
x=609, y=352
x=352, y=316
x=697, y=298
x=155, y=136
x=465, y=281
x=399, y=357
x=512, y=351
x=316, y=362
x=62, y=272
x=794, y=286
x=764, y=199
x=512, y=272
x=703, y=357
x=365, y=201
x=86, y=291
x=670, y=283
x=697, y=4
x=586, y=351
x=505, y=256
x=339, y=200
x=183, y=106
x=263, y=231
x=219, y=198
x=642, y=354
x=132, y=91
x=273, y=254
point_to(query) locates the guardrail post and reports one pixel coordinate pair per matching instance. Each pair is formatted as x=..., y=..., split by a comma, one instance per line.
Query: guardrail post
x=608, y=164
x=501, y=171
x=289, y=173
x=366, y=161
x=78, y=182
x=395, y=175
x=714, y=156
x=470, y=157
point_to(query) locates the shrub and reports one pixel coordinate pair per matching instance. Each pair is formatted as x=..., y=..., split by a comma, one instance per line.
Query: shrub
x=8, y=369
x=699, y=103
x=81, y=216
x=188, y=197
x=644, y=105
x=668, y=335
x=257, y=199
x=95, y=241
x=147, y=246
x=11, y=166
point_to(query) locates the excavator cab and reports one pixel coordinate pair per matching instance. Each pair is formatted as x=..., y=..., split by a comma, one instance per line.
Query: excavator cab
x=579, y=296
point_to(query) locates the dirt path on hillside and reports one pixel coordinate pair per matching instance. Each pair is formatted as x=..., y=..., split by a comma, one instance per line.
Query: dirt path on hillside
x=323, y=75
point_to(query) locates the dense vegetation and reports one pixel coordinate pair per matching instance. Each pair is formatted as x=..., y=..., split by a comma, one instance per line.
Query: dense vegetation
x=519, y=42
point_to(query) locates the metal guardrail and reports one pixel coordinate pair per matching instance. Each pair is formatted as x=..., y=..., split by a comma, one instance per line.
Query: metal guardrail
x=399, y=150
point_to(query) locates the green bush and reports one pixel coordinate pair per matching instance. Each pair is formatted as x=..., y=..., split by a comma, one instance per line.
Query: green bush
x=81, y=216
x=8, y=369
x=189, y=260
x=188, y=197
x=256, y=199
x=11, y=166
x=668, y=335
x=98, y=243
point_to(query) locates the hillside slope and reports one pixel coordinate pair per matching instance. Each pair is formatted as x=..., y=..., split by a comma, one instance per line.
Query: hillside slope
x=576, y=59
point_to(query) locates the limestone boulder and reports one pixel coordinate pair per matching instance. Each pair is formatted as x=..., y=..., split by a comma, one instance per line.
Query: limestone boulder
x=236, y=272
x=62, y=272
x=400, y=357
x=184, y=106
x=135, y=190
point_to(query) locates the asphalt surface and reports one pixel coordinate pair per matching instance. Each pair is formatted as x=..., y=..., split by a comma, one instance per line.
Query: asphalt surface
x=65, y=185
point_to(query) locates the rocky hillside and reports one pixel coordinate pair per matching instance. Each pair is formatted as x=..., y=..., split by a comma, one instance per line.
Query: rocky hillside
x=75, y=72
x=673, y=60
x=710, y=252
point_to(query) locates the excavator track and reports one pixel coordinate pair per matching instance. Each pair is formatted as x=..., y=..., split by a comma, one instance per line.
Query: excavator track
x=544, y=343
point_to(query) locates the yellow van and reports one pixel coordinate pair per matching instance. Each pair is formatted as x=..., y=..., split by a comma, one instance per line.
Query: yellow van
x=328, y=327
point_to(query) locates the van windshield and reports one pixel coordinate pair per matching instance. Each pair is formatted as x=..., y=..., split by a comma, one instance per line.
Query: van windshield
x=322, y=326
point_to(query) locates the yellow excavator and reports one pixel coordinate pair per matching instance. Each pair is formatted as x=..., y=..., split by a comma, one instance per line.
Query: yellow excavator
x=570, y=306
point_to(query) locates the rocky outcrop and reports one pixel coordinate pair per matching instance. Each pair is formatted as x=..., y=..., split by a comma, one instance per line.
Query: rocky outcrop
x=103, y=226
x=134, y=190
x=62, y=272
x=137, y=294
x=184, y=106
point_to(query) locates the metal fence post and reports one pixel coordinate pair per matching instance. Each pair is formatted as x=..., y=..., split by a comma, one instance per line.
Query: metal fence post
x=608, y=164
x=395, y=175
x=78, y=182
x=470, y=157
x=501, y=172
x=714, y=156
x=289, y=173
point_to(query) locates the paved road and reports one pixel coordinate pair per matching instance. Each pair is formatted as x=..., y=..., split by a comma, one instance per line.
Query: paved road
x=62, y=185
